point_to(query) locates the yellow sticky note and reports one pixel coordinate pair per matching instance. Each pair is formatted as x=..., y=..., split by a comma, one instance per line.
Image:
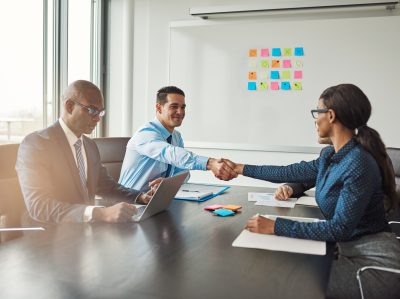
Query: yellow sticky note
x=297, y=86
x=252, y=63
x=264, y=63
x=298, y=64
x=263, y=86
x=285, y=74
x=287, y=51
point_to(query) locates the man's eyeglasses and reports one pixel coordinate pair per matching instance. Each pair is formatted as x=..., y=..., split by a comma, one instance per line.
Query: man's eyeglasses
x=92, y=111
x=315, y=112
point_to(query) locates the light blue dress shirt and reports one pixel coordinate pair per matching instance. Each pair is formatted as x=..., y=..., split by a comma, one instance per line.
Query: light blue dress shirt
x=148, y=154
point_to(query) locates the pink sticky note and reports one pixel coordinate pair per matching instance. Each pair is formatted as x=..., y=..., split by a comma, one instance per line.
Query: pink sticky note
x=287, y=63
x=213, y=207
x=298, y=74
x=275, y=85
x=264, y=52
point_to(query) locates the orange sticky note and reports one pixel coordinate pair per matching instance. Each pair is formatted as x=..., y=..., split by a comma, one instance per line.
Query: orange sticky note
x=276, y=63
x=232, y=207
x=253, y=52
x=252, y=76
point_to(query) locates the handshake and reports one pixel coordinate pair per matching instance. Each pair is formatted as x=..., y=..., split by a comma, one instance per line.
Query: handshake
x=224, y=169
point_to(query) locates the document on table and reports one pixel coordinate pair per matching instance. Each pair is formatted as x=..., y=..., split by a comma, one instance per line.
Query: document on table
x=268, y=199
x=307, y=201
x=248, y=239
x=199, y=192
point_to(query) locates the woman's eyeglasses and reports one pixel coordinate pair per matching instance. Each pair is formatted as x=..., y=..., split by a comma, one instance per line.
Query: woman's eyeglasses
x=315, y=112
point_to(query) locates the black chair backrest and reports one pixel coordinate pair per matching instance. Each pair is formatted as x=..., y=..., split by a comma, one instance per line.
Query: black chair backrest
x=112, y=153
x=394, y=154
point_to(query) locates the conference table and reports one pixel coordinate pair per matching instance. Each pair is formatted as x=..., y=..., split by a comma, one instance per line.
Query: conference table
x=184, y=252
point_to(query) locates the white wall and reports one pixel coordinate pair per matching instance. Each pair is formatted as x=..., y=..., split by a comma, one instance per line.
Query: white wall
x=148, y=58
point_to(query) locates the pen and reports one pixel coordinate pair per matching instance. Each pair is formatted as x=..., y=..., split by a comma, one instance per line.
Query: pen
x=190, y=191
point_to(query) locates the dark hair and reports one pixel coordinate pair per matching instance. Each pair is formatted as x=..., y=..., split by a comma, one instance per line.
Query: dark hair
x=164, y=91
x=353, y=109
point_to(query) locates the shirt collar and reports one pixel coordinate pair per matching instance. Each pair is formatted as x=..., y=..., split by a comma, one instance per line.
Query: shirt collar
x=344, y=150
x=71, y=137
x=164, y=132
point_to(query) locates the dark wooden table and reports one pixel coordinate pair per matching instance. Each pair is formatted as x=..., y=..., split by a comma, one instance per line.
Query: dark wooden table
x=185, y=252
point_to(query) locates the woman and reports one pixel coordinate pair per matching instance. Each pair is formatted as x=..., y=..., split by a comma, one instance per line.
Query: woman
x=353, y=180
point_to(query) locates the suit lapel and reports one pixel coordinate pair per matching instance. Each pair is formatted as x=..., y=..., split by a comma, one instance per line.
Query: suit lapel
x=67, y=154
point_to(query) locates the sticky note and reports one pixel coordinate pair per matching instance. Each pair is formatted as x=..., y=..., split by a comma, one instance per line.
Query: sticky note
x=252, y=76
x=223, y=212
x=252, y=63
x=287, y=63
x=274, y=75
x=232, y=207
x=251, y=86
x=275, y=85
x=299, y=51
x=297, y=86
x=298, y=64
x=285, y=75
x=213, y=207
x=298, y=74
x=276, y=52
x=276, y=64
x=264, y=53
x=287, y=51
x=262, y=85
x=285, y=85
x=264, y=63
x=253, y=52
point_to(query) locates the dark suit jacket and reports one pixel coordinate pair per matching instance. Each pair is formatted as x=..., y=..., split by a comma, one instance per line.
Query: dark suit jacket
x=49, y=177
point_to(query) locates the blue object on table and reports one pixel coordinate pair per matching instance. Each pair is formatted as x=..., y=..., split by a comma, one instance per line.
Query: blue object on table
x=224, y=212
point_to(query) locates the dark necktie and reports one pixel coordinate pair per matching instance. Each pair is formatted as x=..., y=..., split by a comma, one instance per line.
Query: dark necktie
x=168, y=172
x=80, y=163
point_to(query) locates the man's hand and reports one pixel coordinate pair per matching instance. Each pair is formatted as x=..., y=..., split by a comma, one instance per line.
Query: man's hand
x=220, y=169
x=238, y=168
x=121, y=212
x=144, y=198
x=283, y=192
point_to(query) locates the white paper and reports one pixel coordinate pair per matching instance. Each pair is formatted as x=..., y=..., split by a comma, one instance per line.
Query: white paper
x=248, y=239
x=187, y=193
x=268, y=199
x=307, y=201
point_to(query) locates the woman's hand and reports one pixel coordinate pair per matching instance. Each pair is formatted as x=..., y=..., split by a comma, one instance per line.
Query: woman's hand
x=284, y=192
x=261, y=225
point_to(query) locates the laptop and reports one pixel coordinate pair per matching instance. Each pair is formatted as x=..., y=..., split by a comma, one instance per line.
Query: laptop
x=162, y=198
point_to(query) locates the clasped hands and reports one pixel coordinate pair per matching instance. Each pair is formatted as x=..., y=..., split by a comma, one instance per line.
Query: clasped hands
x=224, y=169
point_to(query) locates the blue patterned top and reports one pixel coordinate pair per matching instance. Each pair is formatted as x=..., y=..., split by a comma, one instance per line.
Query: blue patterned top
x=348, y=192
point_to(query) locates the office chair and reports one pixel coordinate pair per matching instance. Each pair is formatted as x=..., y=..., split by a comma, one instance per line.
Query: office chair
x=394, y=154
x=112, y=153
x=11, y=200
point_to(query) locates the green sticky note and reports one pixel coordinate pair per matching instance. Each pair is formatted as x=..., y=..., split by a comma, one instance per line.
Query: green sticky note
x=297, y=86
x=264, y=63
x=263, y=86
x=285, y=75
x=287, y=51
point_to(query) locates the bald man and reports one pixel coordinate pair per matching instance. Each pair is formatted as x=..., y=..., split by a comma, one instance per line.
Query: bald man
x=59, y=168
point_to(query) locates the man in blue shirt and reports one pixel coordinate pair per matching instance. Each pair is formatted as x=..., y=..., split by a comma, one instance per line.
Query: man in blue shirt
x=157, y=150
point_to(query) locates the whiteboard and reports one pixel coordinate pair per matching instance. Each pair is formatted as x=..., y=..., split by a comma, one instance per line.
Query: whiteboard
x=210, y=63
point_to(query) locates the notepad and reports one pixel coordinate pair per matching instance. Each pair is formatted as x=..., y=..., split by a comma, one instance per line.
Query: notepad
x=192, y=194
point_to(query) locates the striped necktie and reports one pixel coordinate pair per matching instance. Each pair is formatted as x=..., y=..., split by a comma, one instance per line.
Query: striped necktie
x=168, y=172
x=80, y=163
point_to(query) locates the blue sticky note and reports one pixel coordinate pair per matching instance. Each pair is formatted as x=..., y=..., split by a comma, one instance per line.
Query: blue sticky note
x=223, y=212
x=251, y=85
x=299, y=51
x=285, y=85
x=274, y=75
x=276, y=52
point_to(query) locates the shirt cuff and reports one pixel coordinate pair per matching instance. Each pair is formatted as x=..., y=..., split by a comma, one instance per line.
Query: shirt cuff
x=201, y=163
x=88, y=214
